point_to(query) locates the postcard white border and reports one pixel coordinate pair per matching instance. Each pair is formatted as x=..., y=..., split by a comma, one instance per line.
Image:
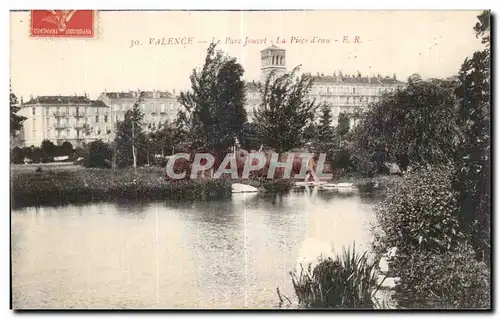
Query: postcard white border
x=185, y=4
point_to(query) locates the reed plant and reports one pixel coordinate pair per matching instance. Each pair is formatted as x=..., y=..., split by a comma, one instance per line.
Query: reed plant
x=346, y=281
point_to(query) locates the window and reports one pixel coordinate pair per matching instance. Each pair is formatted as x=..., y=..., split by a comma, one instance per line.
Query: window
x=33, y=110
x=347, y=100
x=97, y=118
x=105, y=118
x=354, y=90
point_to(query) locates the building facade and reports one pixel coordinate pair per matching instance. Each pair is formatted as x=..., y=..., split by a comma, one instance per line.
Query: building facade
x=78, y=119
x=75, y=119
x=158, y=107
x=344, y=93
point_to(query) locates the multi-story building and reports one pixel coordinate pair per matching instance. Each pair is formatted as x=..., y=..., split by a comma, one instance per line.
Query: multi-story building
x=344, y=93
x=158, y=107
x=75, y=119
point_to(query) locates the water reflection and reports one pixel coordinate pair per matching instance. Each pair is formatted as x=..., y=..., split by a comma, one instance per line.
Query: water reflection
x=219, y=254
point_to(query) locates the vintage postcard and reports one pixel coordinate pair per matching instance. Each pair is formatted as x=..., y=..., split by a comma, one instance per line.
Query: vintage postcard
x=250, y=159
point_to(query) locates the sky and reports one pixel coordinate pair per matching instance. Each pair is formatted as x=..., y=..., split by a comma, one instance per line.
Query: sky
x=124, y=55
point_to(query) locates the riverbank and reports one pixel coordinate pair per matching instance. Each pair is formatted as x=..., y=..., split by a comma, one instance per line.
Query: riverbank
x=55, y=185
x=58, y=187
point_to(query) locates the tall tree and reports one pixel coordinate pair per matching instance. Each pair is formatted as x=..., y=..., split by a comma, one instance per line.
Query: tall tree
x=215, y=111
x=285, y=111
x=325, y=137
x=130, y=138
x=166, y=138
x=474, y=154
x=16, y=121
x=343, y=125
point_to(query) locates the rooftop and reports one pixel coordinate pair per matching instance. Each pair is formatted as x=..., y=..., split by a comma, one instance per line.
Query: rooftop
x=59, y=99
x=252, y=85
x=273, y=48
x=356, y=79
x=135, y=94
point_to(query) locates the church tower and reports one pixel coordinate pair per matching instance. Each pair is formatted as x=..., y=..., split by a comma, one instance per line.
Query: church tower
x=272, y=58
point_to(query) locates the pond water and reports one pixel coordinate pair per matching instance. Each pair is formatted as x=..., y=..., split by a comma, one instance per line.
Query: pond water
x=220, y=254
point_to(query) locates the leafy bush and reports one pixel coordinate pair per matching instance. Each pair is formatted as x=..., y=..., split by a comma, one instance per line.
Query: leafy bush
x=420, y=213
x=450, y=280
x=90, y=185
x=17, y=155
x=420, y=217
x=277, y=185
x=416, y=122
x=349, y=281
x=99, y=156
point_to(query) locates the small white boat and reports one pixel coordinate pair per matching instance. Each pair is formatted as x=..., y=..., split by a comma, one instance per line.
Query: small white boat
x=341, y=187
x=313, y=183
x=243, y=188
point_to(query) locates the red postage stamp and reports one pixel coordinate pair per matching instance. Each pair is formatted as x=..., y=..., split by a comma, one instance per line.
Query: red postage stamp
x=63, y=23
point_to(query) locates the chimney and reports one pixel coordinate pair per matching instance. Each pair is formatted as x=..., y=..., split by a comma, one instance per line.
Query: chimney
x=22, y=100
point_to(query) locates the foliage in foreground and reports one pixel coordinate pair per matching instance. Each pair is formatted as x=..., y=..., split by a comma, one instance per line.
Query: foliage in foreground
x=348, y=281
x=420, y=213
x=473, y=169
x=435, y=263
x=454, y=280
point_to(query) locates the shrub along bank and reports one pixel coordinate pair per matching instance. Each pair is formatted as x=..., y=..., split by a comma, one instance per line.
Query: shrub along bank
x=30, y=188
x=436, y=264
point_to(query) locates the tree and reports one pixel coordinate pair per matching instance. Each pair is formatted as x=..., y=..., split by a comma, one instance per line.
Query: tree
x=417, y=121
x=66, y=149
x=17, y=155
x=215, y=111
x=322, y=135
x=472, y=175
x=285, y=111
x=343, y=125
x=164, y=140
x=48, y=148
x=249, y=139
x=130, y=136
x=99, y=155
x=16, y=121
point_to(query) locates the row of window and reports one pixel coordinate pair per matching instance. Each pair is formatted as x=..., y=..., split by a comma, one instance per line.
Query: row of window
x=352, y=90
x=73, y=133
x=69, y=111
x=152, y=107
x=70, y=121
